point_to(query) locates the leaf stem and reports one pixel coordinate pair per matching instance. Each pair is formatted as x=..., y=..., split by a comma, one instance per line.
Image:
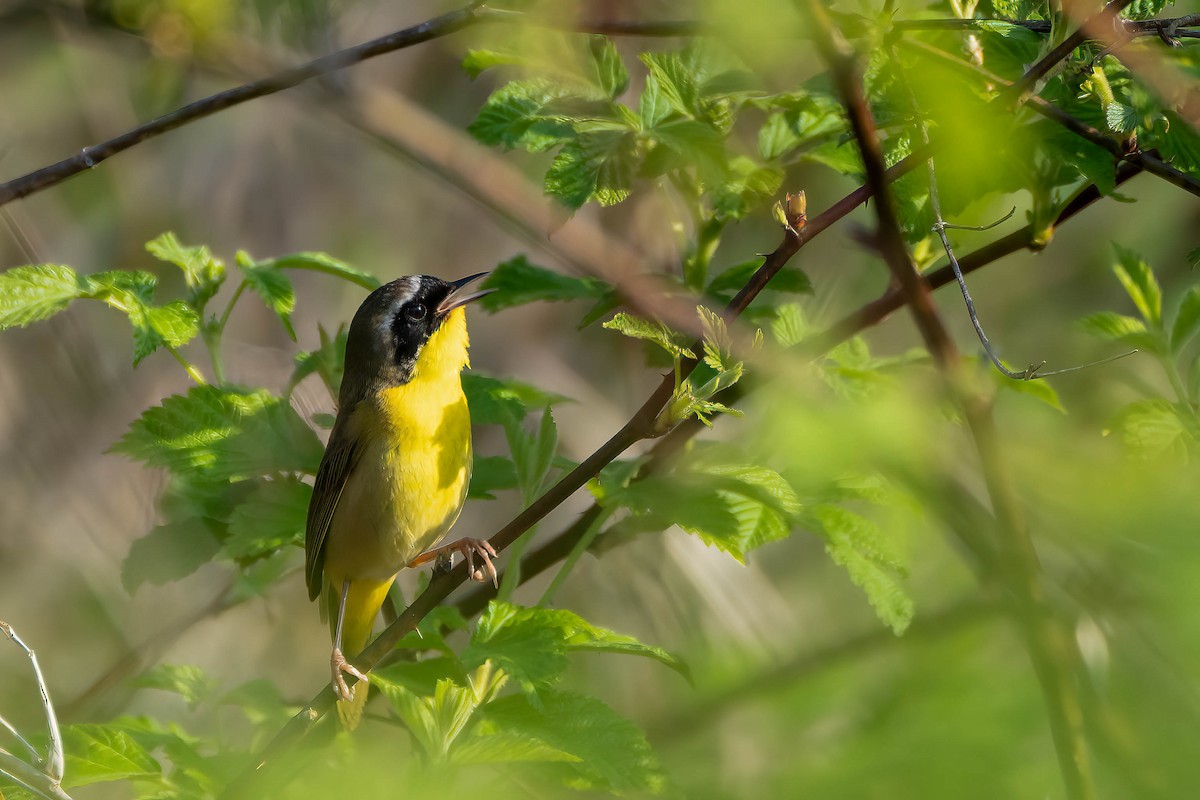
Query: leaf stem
x=229, y=308
x=194, y=373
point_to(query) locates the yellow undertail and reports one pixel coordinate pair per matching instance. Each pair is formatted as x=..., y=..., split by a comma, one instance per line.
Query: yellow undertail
x=362, y=606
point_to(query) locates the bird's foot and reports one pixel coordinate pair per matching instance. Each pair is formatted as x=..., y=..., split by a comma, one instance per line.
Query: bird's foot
x=470, y=548
x=339, y=666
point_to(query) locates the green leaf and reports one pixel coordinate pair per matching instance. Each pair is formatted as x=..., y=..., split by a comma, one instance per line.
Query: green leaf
x=96, y=753
x=517, y=282
x=416, y=712
x=203, y=273
x=223, y=433
x=172, y=325
x=33, y=293
x=870, y=558
x=789, y=327
x=533, y=455
x=733, y=279
x=504, y=747
x=1151, y=428
x=656, y=332
x=599, y=164
x=734, y=506
x=1121, y=328
x=169, y=552
x=188, y=681
x=513, y=116
x=1140, y=284
x=273, y=287
x=501, y=402
x=776, y=137
x=611, y=75
x=1038, y=389
x=1145, y=9
x=653, y=106
x=328, y=361
x=1187, y=319
x=612, y=753
x=327, y=264
x=506, y=633
x=271, y=518
x=674, y=85
x=491, y=474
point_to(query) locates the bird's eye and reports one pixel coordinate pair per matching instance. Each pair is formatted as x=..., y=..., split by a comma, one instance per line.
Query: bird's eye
x=415, y=311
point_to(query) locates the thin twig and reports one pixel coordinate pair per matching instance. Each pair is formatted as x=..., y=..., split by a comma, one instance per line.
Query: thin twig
x=52, y=766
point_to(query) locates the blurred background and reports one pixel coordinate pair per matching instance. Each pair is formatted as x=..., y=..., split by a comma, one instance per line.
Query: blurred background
x=799, y=690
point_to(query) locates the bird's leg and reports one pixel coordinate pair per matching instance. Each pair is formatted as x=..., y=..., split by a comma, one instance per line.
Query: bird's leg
x=337, y=661
x=470, y=548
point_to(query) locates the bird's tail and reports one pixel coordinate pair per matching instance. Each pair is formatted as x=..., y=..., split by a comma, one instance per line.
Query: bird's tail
x=362, y=606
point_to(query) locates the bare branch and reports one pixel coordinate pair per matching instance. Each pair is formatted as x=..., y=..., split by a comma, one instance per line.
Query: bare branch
x=45, y=776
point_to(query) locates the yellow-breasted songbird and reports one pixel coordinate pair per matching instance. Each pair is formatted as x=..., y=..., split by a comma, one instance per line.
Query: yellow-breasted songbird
x=395, y=471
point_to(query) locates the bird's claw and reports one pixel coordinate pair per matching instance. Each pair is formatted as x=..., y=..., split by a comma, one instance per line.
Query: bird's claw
x=482, y=548
x=338, y=665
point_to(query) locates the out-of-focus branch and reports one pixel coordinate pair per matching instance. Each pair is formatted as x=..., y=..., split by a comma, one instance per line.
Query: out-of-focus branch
x=1053, y=652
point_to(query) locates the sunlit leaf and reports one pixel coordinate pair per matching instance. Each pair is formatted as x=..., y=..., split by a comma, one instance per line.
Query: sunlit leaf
x=517, y=282
x=96, y=753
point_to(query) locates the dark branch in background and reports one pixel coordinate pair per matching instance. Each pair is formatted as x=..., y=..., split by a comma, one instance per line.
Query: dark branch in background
x=1053, y=652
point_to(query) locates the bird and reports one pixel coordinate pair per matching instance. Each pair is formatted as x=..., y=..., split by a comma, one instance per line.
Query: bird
x=394, y=475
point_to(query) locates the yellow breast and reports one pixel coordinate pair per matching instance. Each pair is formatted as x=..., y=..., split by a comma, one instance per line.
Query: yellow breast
x=410, y=481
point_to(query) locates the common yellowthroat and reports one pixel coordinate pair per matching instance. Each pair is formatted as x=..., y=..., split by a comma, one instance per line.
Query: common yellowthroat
x=395, y=472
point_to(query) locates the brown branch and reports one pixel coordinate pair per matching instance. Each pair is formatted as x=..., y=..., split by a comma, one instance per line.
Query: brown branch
x=1132, y=27
x=1053, y=653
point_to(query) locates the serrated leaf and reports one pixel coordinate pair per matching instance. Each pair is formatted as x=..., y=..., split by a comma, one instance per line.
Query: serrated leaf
x=223, y=433
x=1150, y=428
x=789, y=327
x=1120, y=118
x=202, y=273
x=1121, y=328
x=733, y=506
x=172, y=325
x=273, y=287
x=505, y=631
x=504, y=747
x=674, y=86
x=611, y=76
x=514, y=116
x=599, y=164
x=271, y=518
x=656, y=332
x=1187, y=319
x=776, y=137
x=870, y=558
x=33, y=293
x=96, y=753
x=169, y=552
x=612, y=753
x=517, y=282
x=186, y=680
x=326, y=264
x=1140, y=284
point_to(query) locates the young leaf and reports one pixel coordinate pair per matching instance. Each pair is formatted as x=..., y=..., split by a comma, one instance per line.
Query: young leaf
x=1140, y=284
x=273, y=287
x=328, y=361
x=610, y=70
x=599, y=164
x=96, y=753
x=870, y=559
x=203, y=273
x=33, y=293
x=501, y=402
x=271, y=518
x=789, y=326
x=187, y=681
x=172, y=325
x=517, y=282
x=1121, y=328
x=533, y=654
x=612, y=753
x=655, y=332
x=674, y=85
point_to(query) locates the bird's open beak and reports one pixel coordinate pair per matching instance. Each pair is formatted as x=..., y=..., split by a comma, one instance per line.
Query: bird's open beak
x=459, y=296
